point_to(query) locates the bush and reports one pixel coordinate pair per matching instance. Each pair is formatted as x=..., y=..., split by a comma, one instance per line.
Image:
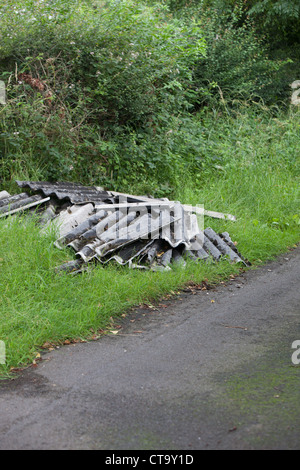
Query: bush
x=104, y=92
x=80, y=74
x=237, y=66
x=279, y=18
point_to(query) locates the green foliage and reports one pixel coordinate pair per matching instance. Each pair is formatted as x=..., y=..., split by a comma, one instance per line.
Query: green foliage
x=288, y=10
x=237, y=66
x=280, y=18
x=31, y=137
x=104, y=92
x=256, y=54
x=100, y=71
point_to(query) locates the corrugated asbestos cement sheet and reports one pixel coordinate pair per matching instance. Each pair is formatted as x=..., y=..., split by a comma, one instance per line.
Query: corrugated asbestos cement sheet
x=10, y=205
x=143, y=233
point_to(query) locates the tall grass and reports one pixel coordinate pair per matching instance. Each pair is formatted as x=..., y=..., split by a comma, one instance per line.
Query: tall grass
x=256, y=177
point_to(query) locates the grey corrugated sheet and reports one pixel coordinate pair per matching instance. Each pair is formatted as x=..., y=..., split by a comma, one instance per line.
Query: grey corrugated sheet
x=105, y=236
x=11, y=204
x=4, y=194
x=145, y=240
x=75, y=193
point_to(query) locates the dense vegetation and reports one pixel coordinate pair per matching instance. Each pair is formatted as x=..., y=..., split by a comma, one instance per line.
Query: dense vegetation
x=108, y=92
x=184, y=99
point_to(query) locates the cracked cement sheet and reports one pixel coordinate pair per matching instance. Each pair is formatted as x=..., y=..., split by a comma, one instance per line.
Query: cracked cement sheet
x=10, y=205
x=104, y=235
x=137, y=231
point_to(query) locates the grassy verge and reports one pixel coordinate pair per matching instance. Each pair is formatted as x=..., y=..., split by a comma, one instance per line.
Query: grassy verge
x=39, y=306
x=257, y=180
x=256, y=177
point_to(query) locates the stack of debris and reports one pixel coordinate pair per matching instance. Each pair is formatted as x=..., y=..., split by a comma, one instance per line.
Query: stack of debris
x=137, y=231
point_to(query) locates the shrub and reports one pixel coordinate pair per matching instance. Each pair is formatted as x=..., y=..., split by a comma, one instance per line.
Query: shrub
x=237, y=66
x=279, y=18
x=80, y=75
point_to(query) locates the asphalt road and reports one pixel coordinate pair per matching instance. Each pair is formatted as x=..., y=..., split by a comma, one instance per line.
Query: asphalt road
x=211, y=370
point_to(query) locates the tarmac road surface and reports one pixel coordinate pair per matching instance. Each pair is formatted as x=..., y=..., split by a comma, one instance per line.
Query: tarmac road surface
x=212, y=370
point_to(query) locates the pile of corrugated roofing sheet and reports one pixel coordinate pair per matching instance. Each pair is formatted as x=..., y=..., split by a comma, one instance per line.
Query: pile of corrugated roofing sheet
x=10, y=205
x=137, y=231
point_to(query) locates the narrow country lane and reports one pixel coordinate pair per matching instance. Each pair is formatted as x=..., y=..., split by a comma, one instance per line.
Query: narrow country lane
x=212, y=370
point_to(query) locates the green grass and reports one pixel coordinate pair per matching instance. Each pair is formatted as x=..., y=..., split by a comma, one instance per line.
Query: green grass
x=37, y=305
x=256, y=179
x=258, y=182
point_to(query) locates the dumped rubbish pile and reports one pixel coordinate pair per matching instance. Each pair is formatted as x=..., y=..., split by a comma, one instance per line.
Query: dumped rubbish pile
x=138, y=231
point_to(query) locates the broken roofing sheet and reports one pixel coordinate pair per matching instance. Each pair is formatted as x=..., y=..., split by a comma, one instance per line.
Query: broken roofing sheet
x=10, y=205
x=137, y=231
